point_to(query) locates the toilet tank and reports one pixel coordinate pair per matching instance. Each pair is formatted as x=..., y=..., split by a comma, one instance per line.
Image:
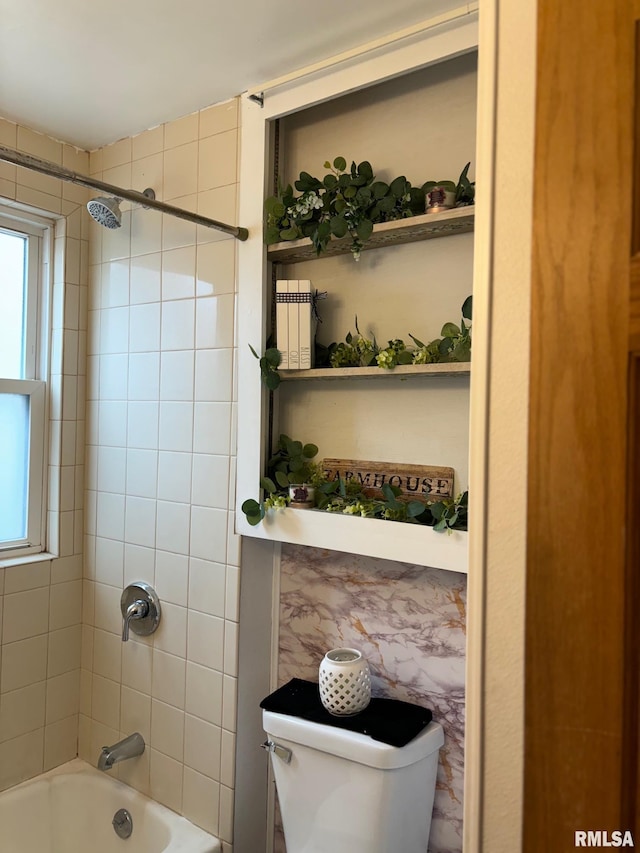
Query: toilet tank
x=346, y=793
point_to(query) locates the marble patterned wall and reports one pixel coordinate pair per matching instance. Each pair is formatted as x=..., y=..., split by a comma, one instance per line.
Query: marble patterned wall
x=410, y=624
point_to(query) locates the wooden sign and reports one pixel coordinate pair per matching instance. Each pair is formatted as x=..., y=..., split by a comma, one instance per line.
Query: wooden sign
x=416, y=482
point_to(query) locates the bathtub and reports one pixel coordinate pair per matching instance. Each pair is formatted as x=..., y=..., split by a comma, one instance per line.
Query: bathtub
x=70, y=810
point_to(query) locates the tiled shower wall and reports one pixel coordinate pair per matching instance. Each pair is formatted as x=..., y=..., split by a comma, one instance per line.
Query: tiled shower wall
x=410, y=624
x=161, y=468
x=41, y=602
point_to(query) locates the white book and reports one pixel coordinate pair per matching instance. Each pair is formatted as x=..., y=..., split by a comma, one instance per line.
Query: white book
x=294, y=341
x=282, y=324
x=306, y=332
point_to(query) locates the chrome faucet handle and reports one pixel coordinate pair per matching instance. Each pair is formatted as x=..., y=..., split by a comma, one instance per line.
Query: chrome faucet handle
x=136, y=610
x=140, y=608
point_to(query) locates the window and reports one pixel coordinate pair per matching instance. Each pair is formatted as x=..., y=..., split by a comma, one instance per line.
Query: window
x=23, y=349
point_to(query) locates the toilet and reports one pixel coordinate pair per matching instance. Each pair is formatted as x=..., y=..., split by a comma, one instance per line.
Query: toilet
x=342, y=792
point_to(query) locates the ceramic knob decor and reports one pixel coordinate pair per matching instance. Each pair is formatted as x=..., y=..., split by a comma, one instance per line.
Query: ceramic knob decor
x=344, y=682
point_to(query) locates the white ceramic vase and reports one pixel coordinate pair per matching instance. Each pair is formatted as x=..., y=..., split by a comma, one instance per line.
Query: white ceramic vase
x=345, y=682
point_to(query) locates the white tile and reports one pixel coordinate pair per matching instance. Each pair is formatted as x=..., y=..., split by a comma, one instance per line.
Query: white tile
x=105, y=702
x=144, y=328
x=208, y=534
x=137, y=666
x=147, y=143
x=231, y=647
x=142, y=473
x=113, y=376
x=26, y=614
x=21, y=758
x=207, y=583
x=145, y=271
x=64, y=650
x=107, y=608
x=146, y=171
x=171, y=635
x=167, y=729
x=110, y=515
x=168, y=680
x=172, y=526
x=214, y=321
x=114, y=284
x=232, y=594
x=146, y=239
x=172, y=572
x=219, y=117
x=213, y=375
x=229, y=702
x=112, y=464
x=109, y=561
x=65, y=605
x=63, y=696
x=29, y=576
x=212, y=428
x=144, y=376
x=181, y=170
x=23, y=663
x=205, y=640
x=135, y=712
x=60, y=742
x=176, y=426
x=166, y=780
x=142, y=425
x=181, y=130
x=202, y=746
x=204, y=693
x=107, y=655
x=114, y=330
x=115, y=154
x=139, y=564
x=178, y=272
x=201, y=800
x=178, y=324
x=179, y=232
x=112, y=423
x=174, y=476
x=225, y=820
x=215, y=268
x=176, y=375
x=140, y=521
x=218, y=157
x=227, y=758
x=22, y=711
x=210, y=481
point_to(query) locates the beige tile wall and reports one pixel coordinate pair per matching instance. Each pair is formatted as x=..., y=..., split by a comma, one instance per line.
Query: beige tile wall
x=41, y=602
x=161, y=468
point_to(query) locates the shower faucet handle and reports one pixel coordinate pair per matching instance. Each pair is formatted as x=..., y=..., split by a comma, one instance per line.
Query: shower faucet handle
x=140, y=608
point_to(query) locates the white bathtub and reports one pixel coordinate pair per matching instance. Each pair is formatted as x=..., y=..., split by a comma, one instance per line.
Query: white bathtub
x=70, y=810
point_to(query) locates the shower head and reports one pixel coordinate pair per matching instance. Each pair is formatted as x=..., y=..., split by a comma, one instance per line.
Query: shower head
x=105, y=211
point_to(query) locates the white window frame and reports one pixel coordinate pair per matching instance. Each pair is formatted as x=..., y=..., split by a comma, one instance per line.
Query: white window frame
x=36, y=336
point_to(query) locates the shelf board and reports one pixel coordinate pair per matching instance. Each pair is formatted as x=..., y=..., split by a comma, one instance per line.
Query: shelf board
x=411, y=230
x=389, y=540
x=404, y=371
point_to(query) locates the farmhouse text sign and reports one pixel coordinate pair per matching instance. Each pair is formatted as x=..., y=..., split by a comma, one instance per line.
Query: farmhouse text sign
x=416, y=482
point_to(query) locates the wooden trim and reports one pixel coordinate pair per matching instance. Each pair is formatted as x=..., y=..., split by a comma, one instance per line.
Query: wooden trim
x=634, y=294
x=575, y=544
x=404, y=371
x=631, y=732
x=411, y=230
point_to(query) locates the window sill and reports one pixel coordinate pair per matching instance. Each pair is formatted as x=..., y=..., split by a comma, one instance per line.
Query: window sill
x=40, y=557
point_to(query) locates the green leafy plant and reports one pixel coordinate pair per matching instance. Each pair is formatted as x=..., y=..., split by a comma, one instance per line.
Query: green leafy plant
x=290, y=463
x=451, y=514
x=269, y=363
x=342, y=202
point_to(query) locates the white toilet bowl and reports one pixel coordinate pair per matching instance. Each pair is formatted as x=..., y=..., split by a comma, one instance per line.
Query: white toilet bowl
x=342, y=792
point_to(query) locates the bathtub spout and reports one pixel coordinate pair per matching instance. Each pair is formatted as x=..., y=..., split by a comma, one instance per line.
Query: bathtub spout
x=127, y=748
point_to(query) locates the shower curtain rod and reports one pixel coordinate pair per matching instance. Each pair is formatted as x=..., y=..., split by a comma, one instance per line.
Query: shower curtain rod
x=27, y=161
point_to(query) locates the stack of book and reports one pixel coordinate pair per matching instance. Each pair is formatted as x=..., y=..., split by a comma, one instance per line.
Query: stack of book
x=295, y=324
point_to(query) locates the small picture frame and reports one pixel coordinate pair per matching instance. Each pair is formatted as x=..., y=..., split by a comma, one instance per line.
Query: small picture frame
x=302, y=496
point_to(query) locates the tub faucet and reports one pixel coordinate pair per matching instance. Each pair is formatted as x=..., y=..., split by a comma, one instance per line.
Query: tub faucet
x=127, y=748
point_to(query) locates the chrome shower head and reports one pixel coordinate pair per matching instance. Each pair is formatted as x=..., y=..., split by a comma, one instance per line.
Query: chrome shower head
x=105, y=211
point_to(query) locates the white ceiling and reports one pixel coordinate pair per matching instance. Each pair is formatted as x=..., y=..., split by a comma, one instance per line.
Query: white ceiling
x=90, y=73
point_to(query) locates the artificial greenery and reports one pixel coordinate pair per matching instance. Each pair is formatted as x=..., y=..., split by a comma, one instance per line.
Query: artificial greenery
x=464, y=188
x=293, y=463
x=356, y=350
x=345, y=201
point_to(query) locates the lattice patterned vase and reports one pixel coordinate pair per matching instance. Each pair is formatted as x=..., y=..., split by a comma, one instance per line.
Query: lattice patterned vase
x=345, y=682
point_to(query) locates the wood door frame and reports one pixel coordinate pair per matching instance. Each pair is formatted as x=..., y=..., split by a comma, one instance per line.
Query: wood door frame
x=574, y=685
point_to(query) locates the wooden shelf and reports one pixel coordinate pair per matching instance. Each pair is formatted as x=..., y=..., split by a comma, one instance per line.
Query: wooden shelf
x=411, y=230
x=407, y=371
x=389, y=540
